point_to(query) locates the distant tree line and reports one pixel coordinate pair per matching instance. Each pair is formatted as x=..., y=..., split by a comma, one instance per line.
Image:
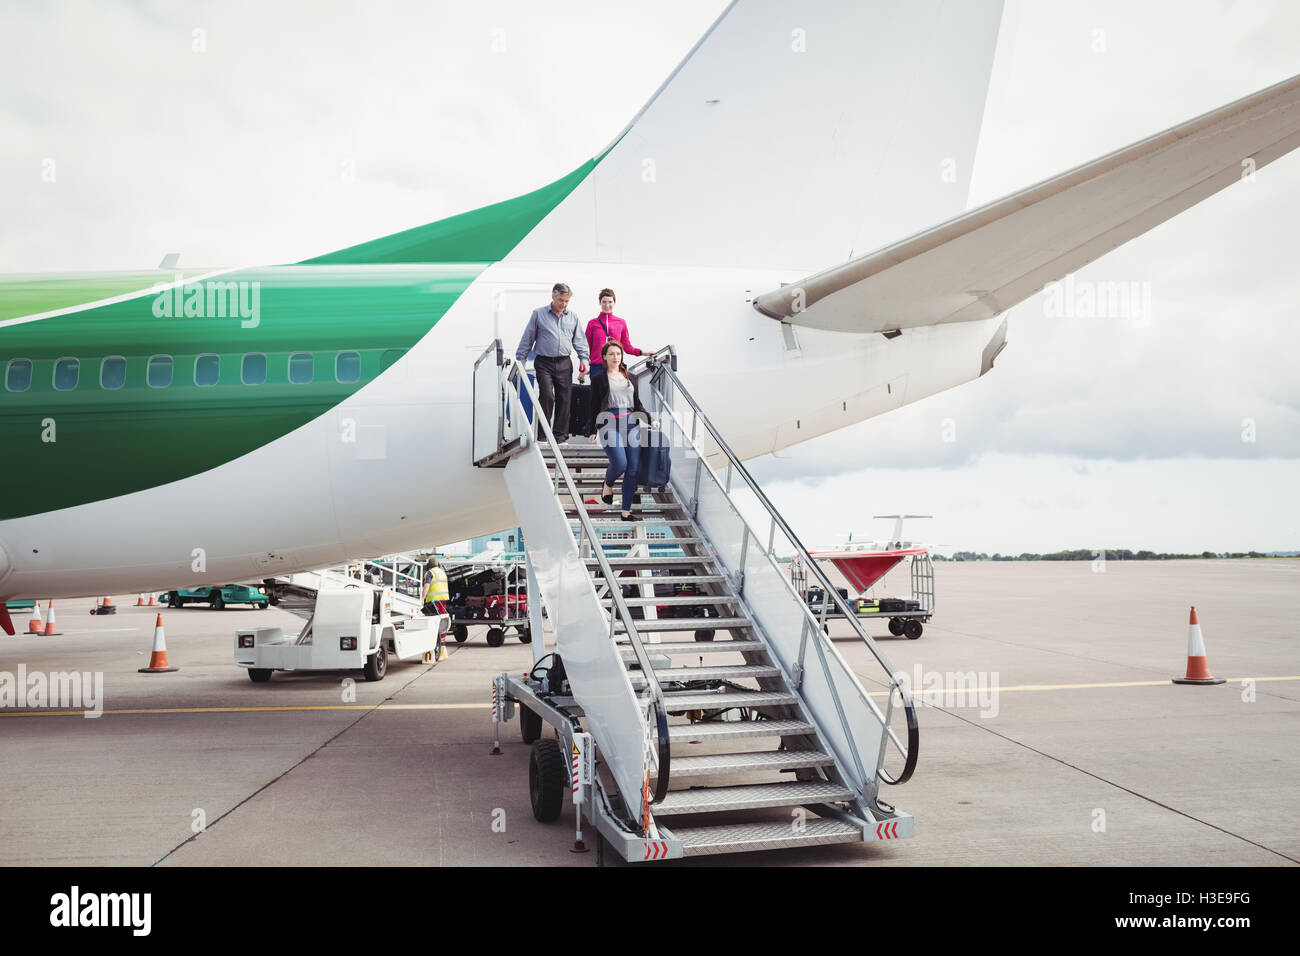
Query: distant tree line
x=1119, y=554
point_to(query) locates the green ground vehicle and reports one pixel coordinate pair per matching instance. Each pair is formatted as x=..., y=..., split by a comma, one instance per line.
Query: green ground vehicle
x=218, y=597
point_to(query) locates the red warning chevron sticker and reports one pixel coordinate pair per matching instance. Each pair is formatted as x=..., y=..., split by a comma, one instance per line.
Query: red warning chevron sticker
x=887, y=831
x=574, y=772
x=655, y=850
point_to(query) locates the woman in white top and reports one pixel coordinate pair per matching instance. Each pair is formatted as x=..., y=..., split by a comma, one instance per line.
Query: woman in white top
x=617, y=411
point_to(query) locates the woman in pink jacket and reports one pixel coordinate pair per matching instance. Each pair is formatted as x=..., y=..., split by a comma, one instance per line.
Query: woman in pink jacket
x=607, y=327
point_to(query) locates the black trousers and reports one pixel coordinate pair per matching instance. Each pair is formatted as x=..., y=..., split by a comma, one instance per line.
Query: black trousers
x=554, y=384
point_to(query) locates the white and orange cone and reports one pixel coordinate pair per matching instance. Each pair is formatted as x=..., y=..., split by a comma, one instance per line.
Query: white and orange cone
x=1198, y=668
x=158, y=659
x=139, y=600
x=153, y=599
x=34, y=624
x=49, y=622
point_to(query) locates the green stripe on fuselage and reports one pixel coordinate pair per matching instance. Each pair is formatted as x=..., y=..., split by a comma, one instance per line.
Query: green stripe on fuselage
x=109, y=442
x=376, y=299
x=34, y=294
x=481, y=235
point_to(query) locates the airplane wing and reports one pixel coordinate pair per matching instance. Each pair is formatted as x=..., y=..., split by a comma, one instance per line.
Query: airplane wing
x=985, y=261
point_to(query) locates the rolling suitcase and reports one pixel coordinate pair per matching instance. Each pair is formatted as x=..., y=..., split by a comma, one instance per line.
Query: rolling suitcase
x=580, y=410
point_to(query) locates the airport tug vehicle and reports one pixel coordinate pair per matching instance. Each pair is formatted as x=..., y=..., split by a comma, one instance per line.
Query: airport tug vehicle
x=352, y=627
x=681, y=734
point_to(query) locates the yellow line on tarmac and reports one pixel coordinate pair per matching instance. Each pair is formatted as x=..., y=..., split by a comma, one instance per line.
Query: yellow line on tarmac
x=487, y=706
x=245, y=710
x=1122, y=683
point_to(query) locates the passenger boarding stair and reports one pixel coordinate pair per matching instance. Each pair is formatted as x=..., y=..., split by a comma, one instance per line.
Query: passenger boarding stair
x=724, y=718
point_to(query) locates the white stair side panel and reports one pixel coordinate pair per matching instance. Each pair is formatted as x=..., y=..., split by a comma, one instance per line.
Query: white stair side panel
x=594, y=666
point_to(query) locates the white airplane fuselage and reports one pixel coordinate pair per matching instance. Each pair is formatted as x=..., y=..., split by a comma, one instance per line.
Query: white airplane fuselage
x=389, y=469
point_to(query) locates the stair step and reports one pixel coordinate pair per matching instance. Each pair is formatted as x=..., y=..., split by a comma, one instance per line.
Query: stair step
x=748, y=763
x=692, y=647
x=633, y=581
x=752, y=796
x=661, y=543
x=677, y=600
x=653, y=561
x=568, y=448
x=590, y=483
x=746, y=837
x=713, y=700
x=619, y=522
x=737, y=730
x=732, y=672
x=666, y=624
x=653, y=511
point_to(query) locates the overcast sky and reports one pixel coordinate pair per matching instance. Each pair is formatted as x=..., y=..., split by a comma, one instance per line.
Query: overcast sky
x=241, y=133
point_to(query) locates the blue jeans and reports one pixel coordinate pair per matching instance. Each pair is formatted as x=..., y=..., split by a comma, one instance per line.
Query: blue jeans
x=623, y=449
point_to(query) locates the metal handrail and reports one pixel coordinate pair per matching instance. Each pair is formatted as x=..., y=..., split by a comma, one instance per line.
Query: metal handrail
x=396, y=577
x=514, y=375
x=663, y=363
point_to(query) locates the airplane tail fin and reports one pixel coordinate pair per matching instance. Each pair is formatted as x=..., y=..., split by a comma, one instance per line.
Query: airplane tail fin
x=791, y=135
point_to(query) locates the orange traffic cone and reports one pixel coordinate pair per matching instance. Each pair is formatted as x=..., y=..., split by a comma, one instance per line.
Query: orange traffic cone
x=139, y=600
x=158, y=660
x=34, y=624
x=1198, y=668
x=153, y=600
x=49, y=623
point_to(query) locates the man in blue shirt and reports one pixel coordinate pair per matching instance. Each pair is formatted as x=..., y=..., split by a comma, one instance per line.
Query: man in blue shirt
x=554, y=330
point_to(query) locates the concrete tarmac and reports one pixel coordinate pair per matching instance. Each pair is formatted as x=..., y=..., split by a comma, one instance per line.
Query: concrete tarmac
x=1086, y=755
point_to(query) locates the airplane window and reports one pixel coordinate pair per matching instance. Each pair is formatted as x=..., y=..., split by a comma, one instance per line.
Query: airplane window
x=112, y=372
x=301, y=368
x=207, y=370
x=347, y=367
x=66, y=372
x=254, y=369
x=390, y=359
x=18, y=378
x=159, y=372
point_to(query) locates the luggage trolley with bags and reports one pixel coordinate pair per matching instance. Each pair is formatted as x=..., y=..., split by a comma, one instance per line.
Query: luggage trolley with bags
x=495, y=595
x=862, y=569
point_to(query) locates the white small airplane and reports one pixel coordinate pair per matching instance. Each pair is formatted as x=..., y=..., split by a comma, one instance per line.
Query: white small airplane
x=788, y=210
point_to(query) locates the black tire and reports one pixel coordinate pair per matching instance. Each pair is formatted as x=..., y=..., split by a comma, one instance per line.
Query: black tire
x=173, y=599
x=896, y=626
x=377, y=664
x=705, y=635
x=530, y=725
x=263, y=606
x=259, y=675
x=460, y=632
x=525, y=635
x=495, y=637
x=912, y=629
x=216, y=601
x=548, y=778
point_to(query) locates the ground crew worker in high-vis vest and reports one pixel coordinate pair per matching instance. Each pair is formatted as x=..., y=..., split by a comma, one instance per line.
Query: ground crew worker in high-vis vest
x=435, y=590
